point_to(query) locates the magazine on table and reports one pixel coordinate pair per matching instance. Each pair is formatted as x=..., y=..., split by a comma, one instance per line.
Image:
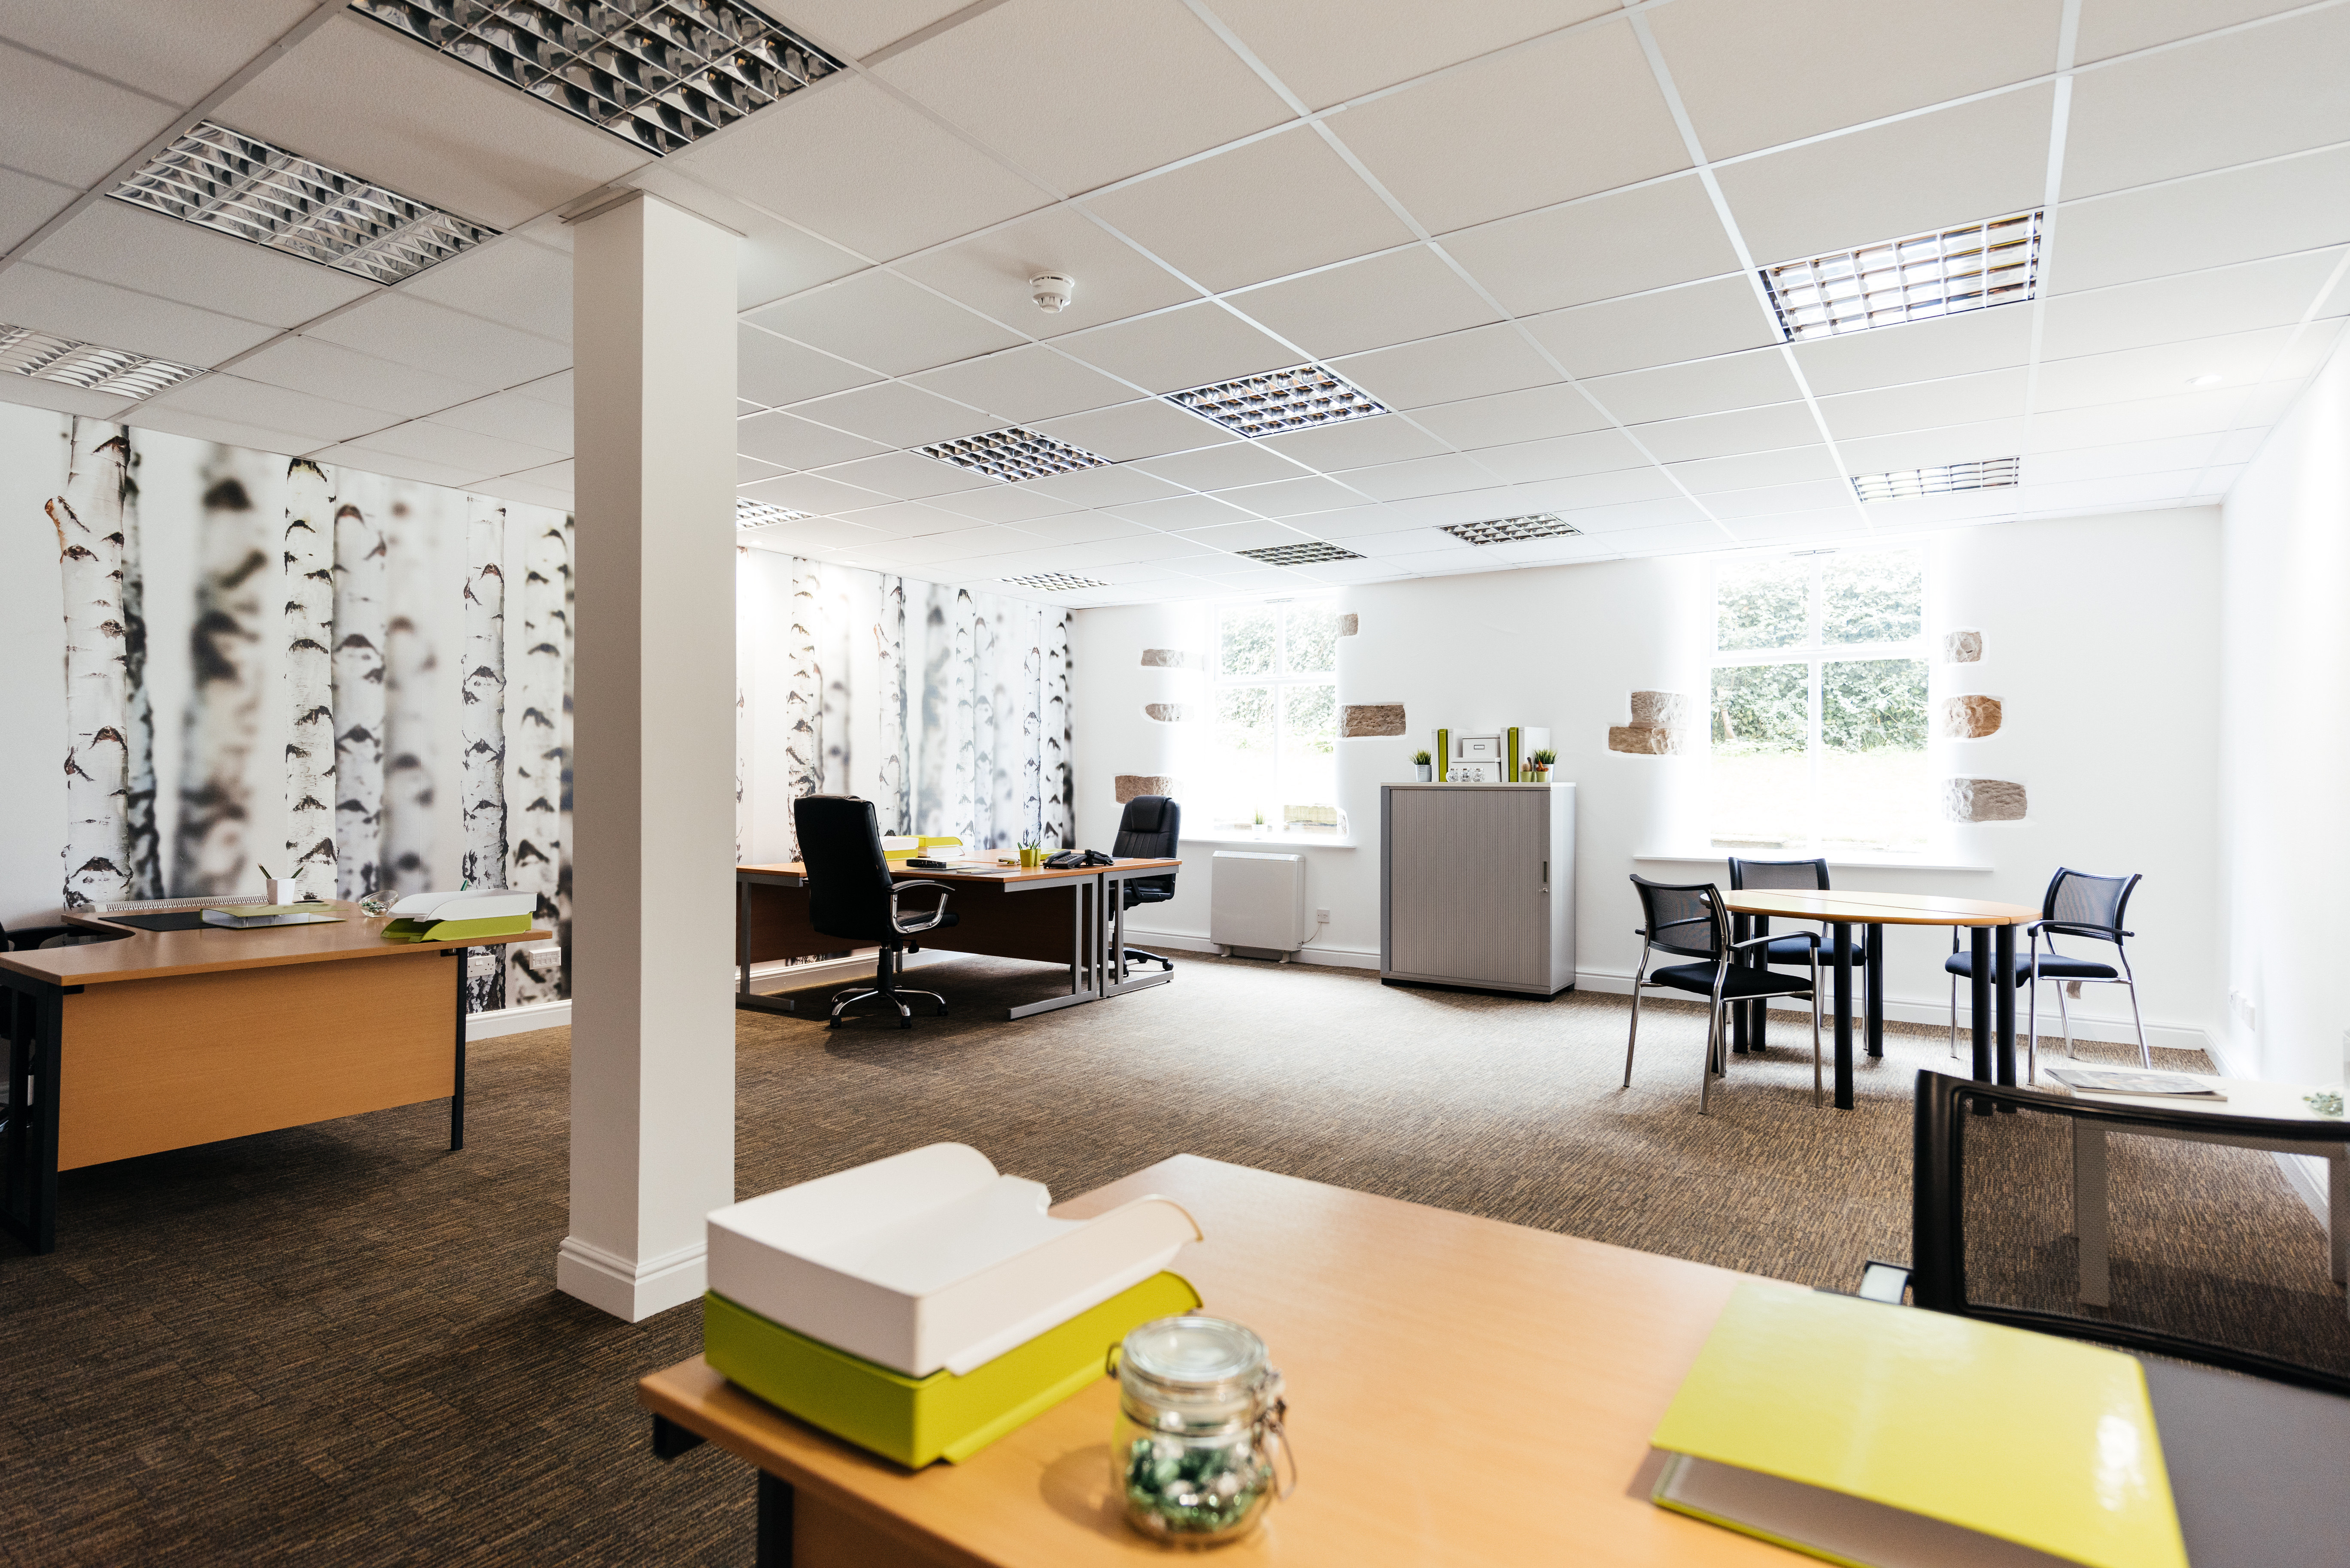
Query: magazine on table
x=2104, y=1081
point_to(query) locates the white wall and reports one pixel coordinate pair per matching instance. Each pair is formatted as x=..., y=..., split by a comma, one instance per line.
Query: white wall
x=2101, y=639
x=2285, y=684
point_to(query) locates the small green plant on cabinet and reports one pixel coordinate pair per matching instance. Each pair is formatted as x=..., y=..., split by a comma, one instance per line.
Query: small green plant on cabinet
x=1421, y=758
x=1260, y=819
x=1544, y=758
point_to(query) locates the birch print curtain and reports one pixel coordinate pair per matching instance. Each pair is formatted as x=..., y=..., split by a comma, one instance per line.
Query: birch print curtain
x=948, y=709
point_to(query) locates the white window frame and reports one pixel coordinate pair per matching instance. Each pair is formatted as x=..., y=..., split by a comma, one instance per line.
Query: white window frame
x=1219, y=683
x=1814, y=652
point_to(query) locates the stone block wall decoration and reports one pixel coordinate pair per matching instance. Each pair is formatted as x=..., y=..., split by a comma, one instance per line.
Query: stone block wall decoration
x=1968, y=717
x=1172, y=658
x=1962, y=647
x=1132, y=784
x=1167, y=712
x=1349, y=624
x=1983, y=800
x=1657, y=728
x=1358, y=720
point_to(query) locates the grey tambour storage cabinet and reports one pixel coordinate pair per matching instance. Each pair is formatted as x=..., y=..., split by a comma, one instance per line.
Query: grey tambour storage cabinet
x=1476, y=885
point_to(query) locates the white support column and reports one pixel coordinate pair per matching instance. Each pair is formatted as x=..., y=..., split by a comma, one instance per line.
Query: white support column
x=652, y=1033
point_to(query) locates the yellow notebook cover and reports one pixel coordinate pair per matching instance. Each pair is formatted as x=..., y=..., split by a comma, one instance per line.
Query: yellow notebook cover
x=2046, y=1442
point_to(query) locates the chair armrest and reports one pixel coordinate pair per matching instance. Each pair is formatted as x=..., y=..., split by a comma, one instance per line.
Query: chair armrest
x=935, y=916
x=1811, y=937
x=26, y=938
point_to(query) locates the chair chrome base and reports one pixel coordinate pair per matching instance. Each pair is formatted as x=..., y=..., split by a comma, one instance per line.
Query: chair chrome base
x=1136, y=955
x=885, y=988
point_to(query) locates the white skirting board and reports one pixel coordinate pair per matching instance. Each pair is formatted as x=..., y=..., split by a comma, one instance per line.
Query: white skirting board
x=558, y=1014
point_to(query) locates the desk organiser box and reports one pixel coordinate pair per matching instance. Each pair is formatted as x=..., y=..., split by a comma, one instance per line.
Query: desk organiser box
x=927, y=1263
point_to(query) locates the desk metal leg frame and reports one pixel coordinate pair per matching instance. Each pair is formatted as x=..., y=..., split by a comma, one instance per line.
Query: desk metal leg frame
x=746, y=999
x=35, y=1020
x=1841, y=935
x=1115, y=978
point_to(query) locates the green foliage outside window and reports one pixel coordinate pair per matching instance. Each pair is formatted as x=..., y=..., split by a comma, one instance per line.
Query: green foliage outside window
x=1762, y=604
x=1761, y=708
x=1872, y=595
x=1247, y=640
x=1873, y=704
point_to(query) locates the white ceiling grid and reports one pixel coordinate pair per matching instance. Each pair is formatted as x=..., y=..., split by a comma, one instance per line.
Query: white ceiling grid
x=1531, y=228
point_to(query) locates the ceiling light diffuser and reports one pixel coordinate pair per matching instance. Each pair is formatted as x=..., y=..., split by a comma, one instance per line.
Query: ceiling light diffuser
x=116, y=372
x=1053, y=582
x=1508, y=530
x=661, y=73
x=1296, y=398
x=1940, y=273
x=750, y=514
x=224, y=180
x=1990, y=474
x=1012, y=454
x=1299, y=555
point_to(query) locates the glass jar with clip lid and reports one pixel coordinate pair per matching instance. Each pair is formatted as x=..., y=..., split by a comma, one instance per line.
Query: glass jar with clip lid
x=1199, y=1431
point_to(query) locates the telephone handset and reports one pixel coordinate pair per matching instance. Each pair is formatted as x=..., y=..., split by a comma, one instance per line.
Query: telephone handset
x=1074, y=860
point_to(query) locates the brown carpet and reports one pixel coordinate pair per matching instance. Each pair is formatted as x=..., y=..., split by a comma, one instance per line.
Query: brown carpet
x=341, y=1344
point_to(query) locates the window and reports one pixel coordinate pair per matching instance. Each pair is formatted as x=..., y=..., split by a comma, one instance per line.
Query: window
x=1819, y=672
x=1276, y=711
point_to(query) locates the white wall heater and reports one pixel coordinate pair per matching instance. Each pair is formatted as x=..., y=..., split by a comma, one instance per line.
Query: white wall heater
x=1257, y=903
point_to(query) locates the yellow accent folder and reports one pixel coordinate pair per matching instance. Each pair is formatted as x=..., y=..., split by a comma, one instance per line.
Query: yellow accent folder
x=1801, y=1401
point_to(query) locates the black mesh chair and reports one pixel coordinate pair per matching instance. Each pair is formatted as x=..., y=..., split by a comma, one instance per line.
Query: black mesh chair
x=852, y=896
x=1798, y=877
x=2078, y=905
x=1688, y=919
x=1149, y=829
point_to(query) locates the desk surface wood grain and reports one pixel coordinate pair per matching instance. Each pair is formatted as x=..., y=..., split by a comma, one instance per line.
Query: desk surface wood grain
x=1461, y=1391
x=150, y=955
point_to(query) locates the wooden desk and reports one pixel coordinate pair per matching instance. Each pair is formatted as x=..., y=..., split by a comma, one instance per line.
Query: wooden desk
x=1461, y=1391
x=167, y=1039
x=1994, y=953
x=1076, y=917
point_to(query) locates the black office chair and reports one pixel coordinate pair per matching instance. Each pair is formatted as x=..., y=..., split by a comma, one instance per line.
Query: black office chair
x=852, y=896
x=1149, y=829
x=1799, y=876
x=1688, y=918
x=2075, y=905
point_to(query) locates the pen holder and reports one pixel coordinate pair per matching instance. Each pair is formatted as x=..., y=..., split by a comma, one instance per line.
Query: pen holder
x=280, y=890
x=1031, y=856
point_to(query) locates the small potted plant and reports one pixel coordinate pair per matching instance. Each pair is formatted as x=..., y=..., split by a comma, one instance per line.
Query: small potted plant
x=1032, y=853
x=1261, y=829
x=1421, y=766
x=1538, y=765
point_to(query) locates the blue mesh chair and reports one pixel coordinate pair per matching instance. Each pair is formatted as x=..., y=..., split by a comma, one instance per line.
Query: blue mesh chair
x=2079, y=907
x=1799, y=876
x=1688, y=921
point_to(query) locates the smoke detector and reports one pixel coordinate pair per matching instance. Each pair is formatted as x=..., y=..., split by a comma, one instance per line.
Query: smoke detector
x=1050, y=292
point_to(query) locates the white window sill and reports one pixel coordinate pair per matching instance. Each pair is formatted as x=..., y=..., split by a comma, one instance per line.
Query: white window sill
x=1273, y=840
x=1857, y=862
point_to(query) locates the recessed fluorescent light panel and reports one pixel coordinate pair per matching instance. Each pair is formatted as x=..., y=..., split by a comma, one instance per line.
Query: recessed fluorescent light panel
x=116, y=372
x=1991, y=474
x=1012, y=454
x=749, y=514
x=1294, y=399
x=221, y=178
x=661, y=73
x=1938, y=274
x=1299, y=555
x=1509, y=530
x=1053, y=582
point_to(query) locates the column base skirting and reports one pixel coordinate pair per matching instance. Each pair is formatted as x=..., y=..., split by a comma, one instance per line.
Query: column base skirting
x=631, y=1291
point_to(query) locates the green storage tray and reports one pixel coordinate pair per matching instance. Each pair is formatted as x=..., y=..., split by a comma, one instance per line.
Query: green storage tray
x=914, y=1420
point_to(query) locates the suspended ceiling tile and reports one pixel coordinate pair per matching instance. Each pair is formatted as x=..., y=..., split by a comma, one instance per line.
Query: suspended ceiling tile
x=858, y=27
x=1694, y=321
x=177, y=53
x=1027, y=384
x=1387, y=299
x=529, y=492
x=1475, y=363
x=1621, y=242
x=908, y=475
x=825, y=154
x=1789, y=465
x=429, y=337
x=903, y=520
x=1342, y=573
x=793, y=443
x=1918, y=350
x=2256, y=94
x=92, y=312
x=2193, y=452
x=1222, y=467
x=2110, y=27
x=471, y=450
x=513, y=416
x=1371, y=523
x=1611, y=487
x=990, y=272
x=2158, y=370
x=1751, y=379
x=1081, y=94
x=929, y=549
x=396, y=465
x=1149, y=428
x=1294, y=497
x=1772, y=500
x=811, y=492
x=1442, y=474
x=1534, y=414
x=809, y=535
x=1417, y=539
x=118, y=243
x=1355, y=444
x=1274, y=207
x=1326, y=51
x=1463, y=506
x=1824, y=526
x=1567, y=117
x=516, y=282
x=1932, y=447
x=326, y=370
x=60, y=124
x=230, y=397
x=1978, y=161
x=1086, y=527
x=361, y=98
x=1178, y=350
x=747, y=469
x=209, y=427
x=1756, y=76
x=1923, y=405
x=775, y=370
x=1176, y=513
x=1562, y=457
x=1130, y=549
x=1111, y=486
x=2212, y=220
x=1014, y=503
x=1668, y=511
x=555, y=388
x=2271, y=293
x=32, y=392
x=25, y=203
x=896, y=414
x=776, y=260
x=885, y=323
x=1722, y=435
x=2122, y=491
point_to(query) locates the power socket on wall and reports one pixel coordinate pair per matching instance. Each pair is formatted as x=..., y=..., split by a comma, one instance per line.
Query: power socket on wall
x=480, y=964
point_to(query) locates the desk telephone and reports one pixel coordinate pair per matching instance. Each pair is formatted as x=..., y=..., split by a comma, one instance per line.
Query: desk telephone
x=1072, y=860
